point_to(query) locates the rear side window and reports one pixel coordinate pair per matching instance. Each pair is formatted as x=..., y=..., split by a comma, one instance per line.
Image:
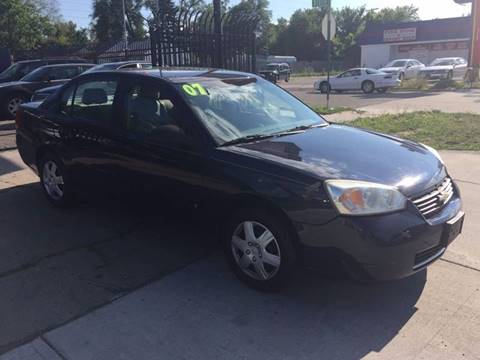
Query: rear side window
x=94, y=101
x=63, y=73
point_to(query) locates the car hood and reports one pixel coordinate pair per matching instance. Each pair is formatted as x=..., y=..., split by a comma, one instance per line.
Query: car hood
x=442, y=67
x=343, y=152
x=391, y=69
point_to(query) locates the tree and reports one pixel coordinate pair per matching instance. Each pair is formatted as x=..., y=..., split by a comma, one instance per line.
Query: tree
x=258, y=8
x=22, y=26
x=65, y=35
x=351, y=23
x=107, y=23
x=397, y=14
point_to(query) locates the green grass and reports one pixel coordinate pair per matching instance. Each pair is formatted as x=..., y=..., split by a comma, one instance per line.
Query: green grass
x=323, y=110
x=443, y=131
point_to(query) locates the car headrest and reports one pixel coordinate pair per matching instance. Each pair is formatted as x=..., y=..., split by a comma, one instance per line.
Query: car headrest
x=94, y=96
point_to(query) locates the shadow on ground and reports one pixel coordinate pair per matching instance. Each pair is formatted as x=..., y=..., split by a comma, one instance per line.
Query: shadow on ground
x=7, y=166
x=56, y=265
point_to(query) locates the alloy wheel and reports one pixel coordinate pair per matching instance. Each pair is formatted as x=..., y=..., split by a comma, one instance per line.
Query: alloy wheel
x=13, y=105
x=53, y=180
x=256, y=251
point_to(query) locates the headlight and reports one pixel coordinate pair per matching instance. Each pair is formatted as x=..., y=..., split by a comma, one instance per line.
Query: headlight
x=353, y=197
x=434, y=152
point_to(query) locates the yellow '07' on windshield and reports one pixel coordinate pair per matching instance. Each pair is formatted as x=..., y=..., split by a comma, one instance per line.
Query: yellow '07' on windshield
x=194, y=90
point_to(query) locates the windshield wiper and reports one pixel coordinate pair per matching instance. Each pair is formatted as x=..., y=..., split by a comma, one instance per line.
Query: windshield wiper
x=246, y=139
x=299, y=129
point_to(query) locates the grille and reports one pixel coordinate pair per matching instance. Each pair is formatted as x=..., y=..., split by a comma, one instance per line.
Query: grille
x=432, y=203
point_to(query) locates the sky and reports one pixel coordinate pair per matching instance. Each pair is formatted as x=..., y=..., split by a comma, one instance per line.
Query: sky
x=79, y=11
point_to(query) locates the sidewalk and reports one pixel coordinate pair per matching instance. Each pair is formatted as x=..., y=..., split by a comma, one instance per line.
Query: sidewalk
x=203, y=312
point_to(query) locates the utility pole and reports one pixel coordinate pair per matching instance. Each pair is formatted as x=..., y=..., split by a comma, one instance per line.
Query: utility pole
x=329, y=49
x=217, y=21
x=125, y=36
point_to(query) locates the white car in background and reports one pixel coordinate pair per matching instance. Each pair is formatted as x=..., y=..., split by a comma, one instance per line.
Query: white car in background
x=405, y=69
x=445, y=69
x=365, y=79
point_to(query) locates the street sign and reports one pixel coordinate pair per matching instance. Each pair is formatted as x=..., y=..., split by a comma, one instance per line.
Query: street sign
x=333, y=27
x=319, y=3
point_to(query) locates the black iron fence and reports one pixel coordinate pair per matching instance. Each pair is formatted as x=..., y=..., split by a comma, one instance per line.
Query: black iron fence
x=199, y=38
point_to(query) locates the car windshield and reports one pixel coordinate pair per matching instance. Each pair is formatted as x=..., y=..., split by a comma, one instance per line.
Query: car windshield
x=442, y=62
x=102, y=67
x=271, y=67
x=10, y=71
x=237, y=108
x=397, y=63
x=35, y=75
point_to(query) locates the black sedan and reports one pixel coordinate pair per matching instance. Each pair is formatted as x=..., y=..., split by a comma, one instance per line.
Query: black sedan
x=287, y=187
x=12, y=94
x=42, y=94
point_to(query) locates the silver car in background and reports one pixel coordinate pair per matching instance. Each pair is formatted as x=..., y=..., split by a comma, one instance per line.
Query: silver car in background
x=405, y=69
x=452, y=68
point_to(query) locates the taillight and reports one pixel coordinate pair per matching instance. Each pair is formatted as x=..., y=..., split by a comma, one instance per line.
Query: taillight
x=18, y=117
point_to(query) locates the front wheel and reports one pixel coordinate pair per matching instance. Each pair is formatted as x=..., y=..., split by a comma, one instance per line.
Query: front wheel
x=54, y=180
x=259, y=249
x=324, y=87
x=368, y=87
x=12, y=103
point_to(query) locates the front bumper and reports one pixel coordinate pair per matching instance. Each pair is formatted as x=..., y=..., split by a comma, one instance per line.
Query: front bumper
x=383, y=247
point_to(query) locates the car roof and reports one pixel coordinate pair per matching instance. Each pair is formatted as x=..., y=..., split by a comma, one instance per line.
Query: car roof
x=120, y=63
x=180, y=75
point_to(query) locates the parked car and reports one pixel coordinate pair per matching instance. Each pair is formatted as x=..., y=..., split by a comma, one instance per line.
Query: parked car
x=287, y=188
x=12, y=94
x=367, y=80
x=22, y=68
x=405, y=69
x=275, y=72
x=42, y=94
x=445, y=69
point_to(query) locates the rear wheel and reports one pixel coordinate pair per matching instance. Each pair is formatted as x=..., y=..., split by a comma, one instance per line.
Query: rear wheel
x=54, y=180
x=259, y=249
x=401, y=77
x=368, y=87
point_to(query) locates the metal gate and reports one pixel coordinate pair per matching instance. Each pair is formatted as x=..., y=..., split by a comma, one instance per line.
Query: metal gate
x=186, y=37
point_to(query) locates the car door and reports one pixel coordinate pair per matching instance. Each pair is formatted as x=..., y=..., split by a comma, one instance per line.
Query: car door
x=160, y=150
x=342, y=81
x=460, y=69
x=87, y=118
x=410, y=70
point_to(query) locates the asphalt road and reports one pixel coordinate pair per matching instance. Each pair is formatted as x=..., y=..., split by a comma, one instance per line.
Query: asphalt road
x=393, y=101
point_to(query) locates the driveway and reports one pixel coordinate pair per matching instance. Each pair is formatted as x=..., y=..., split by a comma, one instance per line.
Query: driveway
x=66, y=279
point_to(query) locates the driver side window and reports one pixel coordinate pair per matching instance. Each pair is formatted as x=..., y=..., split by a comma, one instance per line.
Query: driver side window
x=151, y=113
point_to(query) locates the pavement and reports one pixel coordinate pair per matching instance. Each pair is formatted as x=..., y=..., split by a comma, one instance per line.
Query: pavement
x=391, y=102
x=117, y=280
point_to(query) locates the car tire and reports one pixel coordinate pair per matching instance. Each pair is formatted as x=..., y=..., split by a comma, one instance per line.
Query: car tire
x=324, y=87
x=11, y=104
x=54, y=180
x=401, y=77
x=260, y=249
x=368, y=87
